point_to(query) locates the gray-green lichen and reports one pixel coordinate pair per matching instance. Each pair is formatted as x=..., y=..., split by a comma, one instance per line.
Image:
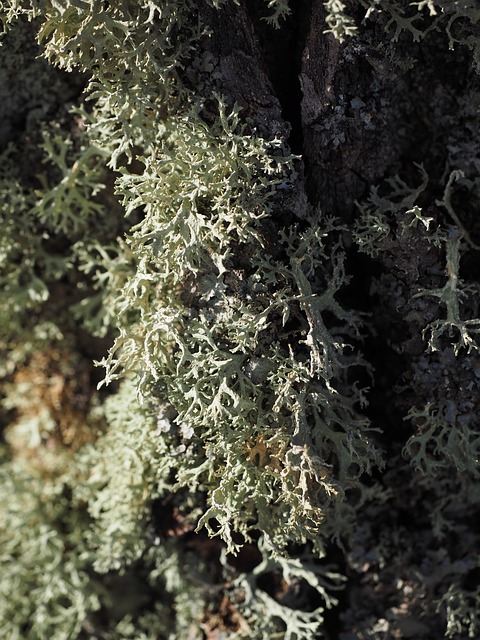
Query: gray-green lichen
x=234, y=399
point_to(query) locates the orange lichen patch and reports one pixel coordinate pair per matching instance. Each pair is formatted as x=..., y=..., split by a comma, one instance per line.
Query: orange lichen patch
x=52, y=394
x=257, y=451
x=262, y=452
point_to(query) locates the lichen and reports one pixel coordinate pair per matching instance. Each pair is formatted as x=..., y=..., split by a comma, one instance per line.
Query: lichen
x=195, y=484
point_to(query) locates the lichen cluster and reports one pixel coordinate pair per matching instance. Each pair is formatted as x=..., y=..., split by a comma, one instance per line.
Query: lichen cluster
x=224, y=425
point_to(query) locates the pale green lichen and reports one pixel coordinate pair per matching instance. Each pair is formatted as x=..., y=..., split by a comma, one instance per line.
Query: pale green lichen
x=258, y=459
x=398, y=207
x=451, y=295
x=462, y=607
x=250, y=415
x=379, y=211
x=199, y=358
x=442, y=440
x=444, y=436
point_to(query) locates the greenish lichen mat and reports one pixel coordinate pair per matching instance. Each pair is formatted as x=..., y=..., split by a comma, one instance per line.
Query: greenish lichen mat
x=198, y=489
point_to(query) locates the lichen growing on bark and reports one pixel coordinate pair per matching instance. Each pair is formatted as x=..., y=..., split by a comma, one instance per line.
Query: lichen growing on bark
x=221, y=473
